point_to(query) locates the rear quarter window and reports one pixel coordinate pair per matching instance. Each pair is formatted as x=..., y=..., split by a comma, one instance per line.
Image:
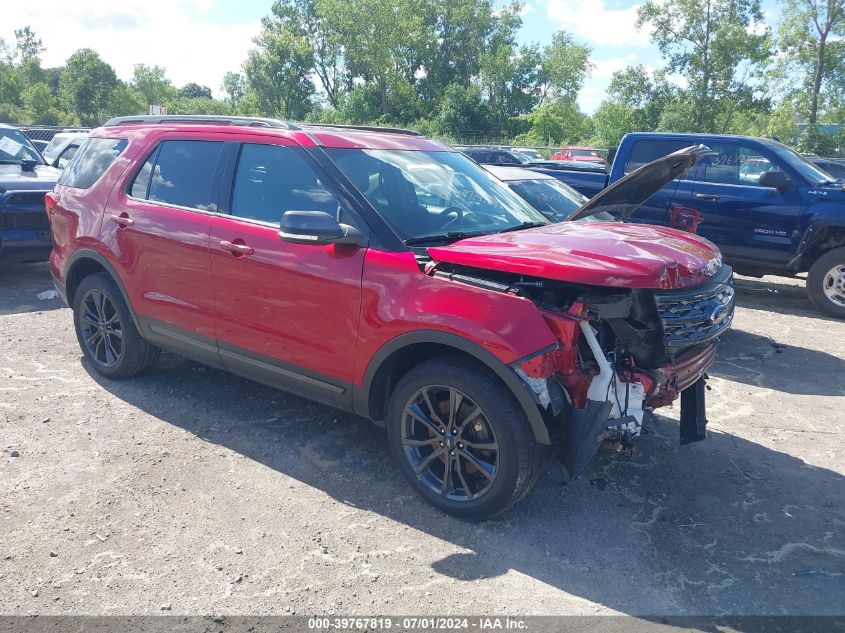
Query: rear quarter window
x=91, y=161
x=647, y=150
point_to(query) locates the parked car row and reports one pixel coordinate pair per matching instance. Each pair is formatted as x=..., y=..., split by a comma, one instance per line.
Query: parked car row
x=481, y=315
x=770, y=210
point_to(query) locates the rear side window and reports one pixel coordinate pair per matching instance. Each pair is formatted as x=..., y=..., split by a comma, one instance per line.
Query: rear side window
x=647, y=150
x=272, y=179
x=179, y=173
x=91, y=161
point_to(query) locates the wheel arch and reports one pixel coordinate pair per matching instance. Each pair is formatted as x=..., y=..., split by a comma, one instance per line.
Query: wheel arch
x=86, y=262
x=818, y=239
x=399, y=355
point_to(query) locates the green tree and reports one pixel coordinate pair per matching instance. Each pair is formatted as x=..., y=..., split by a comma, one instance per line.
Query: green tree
x=195, y=91
x=277, y=70
x=37, y=103
x=811, y=33
x=383, y=40
x=717, y=46
x=27, y=55
x=152, y=83
x=456, y=34
x=314, y=25
x=565, y=65
x=463, y=113
x=86, y=86
x=234, y=87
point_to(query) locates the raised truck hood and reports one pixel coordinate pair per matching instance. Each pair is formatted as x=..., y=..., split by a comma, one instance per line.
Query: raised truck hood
x=627, y=194
x=596, y=253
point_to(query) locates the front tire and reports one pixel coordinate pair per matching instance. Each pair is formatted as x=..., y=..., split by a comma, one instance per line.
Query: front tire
x=826, y=283
x=105, y=330
x=460, y=438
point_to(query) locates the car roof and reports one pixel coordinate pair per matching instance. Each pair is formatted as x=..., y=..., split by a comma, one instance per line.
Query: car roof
x=508, y=173
x=304, y=134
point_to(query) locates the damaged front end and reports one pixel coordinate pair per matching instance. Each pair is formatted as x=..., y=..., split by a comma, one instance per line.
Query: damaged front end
x=619, y=354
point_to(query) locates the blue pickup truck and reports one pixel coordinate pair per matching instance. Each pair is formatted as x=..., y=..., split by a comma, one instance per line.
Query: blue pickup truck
x=769, y=210
x=24, y=179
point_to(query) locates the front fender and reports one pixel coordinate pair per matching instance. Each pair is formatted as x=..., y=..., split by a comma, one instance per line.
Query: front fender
x=514, y=382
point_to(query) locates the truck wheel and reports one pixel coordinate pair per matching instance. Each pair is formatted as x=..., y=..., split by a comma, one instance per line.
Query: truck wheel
x=461, y=439
x=826, y=283
x=105, y=330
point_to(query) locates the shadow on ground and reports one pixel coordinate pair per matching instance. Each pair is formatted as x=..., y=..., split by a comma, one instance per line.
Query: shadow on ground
x=20, y=285
x=725, y=526
x=759, y=360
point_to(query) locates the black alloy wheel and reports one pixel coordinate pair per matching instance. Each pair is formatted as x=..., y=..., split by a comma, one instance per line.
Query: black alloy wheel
x=102, y=332
x=450, y=443
x=461, y=439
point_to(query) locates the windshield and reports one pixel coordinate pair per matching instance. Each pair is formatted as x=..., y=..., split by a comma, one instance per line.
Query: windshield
x=810, y=172
x=15, y=147
x=554, y=199
x=440, y=194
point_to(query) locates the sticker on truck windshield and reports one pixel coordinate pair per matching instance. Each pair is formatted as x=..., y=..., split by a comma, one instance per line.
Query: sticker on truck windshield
x=10, y=146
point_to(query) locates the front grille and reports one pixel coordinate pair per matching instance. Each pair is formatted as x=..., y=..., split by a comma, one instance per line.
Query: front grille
x=25, y=198
x=27, y=221
x=697, y=314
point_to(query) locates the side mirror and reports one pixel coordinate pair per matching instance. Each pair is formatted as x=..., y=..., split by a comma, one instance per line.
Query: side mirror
x=28, y=164
x=317, y=227
x=776, y=180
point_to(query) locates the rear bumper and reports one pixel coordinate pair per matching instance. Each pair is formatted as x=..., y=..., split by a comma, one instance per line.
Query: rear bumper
x=24, y=250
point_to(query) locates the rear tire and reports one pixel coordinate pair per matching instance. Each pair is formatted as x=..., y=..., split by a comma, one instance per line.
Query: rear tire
x=826, y=283
x=106, y=332
x=452, y=416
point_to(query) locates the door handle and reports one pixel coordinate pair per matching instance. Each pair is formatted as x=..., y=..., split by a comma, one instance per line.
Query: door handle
x=123, y=220
x=236, y=249
x=707, y=196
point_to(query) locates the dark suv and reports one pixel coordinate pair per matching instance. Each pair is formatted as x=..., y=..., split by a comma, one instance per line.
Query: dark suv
x=386, y=274
x=24, y=179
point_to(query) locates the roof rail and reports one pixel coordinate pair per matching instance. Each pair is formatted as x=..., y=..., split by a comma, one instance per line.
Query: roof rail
x=366, y=128
x=200, y=118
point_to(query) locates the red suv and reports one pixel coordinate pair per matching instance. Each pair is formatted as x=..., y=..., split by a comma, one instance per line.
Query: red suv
x=388, y=275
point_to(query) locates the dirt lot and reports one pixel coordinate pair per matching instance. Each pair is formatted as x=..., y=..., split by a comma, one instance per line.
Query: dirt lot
x=192, y=491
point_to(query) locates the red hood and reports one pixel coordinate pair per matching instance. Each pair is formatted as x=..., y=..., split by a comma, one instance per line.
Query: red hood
x=592, y=253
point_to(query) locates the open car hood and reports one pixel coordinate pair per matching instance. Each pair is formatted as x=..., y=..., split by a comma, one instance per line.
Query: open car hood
x=627, y=194
x=608, y=254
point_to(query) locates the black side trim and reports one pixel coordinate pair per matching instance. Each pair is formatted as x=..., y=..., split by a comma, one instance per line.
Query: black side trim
x=525, y=397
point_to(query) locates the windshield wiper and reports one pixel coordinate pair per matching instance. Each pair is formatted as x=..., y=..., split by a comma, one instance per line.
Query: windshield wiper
x=524, y=225
x=440, y=237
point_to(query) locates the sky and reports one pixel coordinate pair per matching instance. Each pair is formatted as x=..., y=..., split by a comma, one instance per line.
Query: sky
x=200, y=40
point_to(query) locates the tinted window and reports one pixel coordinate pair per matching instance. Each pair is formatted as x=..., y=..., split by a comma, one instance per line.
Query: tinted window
x=91, y=161
x=271, y=179
x=66, y=155
x=647, y=150
x=179, y=173
x=732, y=164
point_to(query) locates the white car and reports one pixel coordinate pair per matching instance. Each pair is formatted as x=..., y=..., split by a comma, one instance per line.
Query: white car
x=63, y=146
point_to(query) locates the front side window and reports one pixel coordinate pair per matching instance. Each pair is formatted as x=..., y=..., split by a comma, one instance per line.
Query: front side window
x=66, y=155
x=91, y=161
x=441, y=194
x=272, y=179
x=179, y=173
x=732, y=164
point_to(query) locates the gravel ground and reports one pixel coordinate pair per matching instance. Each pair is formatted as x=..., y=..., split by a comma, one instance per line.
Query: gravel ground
x=190, y=491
